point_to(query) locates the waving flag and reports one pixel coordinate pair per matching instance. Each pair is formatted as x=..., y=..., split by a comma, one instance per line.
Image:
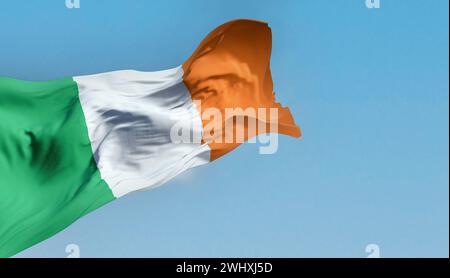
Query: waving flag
x=69, y=146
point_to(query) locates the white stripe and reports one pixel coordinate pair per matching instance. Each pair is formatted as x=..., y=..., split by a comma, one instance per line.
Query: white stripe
x=129, y=115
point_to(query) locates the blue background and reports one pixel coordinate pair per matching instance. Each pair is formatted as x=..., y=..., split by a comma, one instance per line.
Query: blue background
x=369, y=88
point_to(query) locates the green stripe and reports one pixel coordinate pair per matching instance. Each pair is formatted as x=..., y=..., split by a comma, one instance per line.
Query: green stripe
x=48, y=177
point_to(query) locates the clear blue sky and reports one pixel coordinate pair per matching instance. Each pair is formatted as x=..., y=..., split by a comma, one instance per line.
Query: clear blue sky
x=369, y=89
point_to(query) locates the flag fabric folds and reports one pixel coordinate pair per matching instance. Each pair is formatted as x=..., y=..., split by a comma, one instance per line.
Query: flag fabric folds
x=69, y=146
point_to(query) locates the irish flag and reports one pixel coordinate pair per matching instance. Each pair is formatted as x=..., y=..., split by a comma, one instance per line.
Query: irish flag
x=69, y=146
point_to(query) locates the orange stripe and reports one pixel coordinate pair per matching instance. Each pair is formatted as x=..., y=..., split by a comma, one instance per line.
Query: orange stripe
x=231, y=68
